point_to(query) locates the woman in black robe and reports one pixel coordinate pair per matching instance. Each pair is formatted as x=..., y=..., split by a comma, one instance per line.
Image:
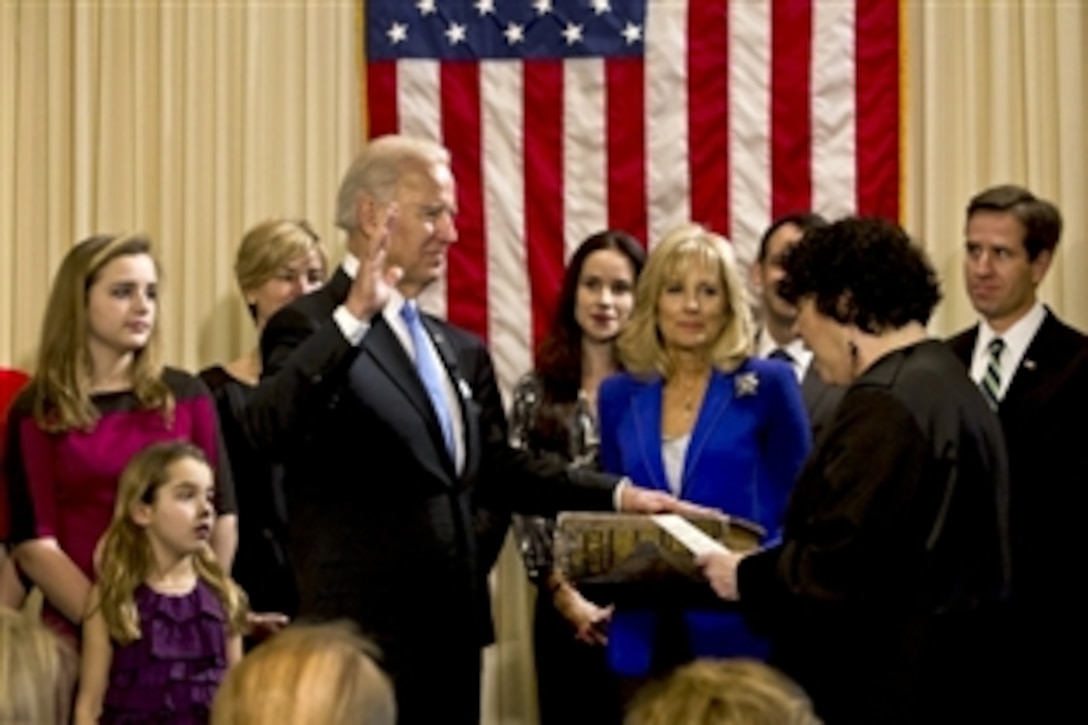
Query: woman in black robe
x=884, y=598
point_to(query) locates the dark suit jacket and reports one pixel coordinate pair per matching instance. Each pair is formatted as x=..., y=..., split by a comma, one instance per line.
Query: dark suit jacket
x=1042, y=415
x=382, y=526
x=894, y=559
x=820, y=399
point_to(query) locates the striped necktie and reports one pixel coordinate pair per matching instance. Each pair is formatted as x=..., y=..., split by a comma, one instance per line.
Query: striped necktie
x=991, y=381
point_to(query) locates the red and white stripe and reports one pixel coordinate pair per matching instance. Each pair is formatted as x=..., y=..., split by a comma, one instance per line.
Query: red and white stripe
x=739, y=112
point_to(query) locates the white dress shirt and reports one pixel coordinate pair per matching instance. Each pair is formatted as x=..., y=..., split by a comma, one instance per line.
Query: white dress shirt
x=1017, y=339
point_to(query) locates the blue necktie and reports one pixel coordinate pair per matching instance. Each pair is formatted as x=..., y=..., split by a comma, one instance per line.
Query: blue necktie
x=429, y=374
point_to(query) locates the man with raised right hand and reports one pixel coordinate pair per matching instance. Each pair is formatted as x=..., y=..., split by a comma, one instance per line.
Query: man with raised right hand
x=394, y=439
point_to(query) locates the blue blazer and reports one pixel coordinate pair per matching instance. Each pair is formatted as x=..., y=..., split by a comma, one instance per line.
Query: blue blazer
x=749, y=440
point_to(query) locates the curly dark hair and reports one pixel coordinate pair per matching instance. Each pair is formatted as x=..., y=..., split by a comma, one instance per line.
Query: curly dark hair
x=863, y=271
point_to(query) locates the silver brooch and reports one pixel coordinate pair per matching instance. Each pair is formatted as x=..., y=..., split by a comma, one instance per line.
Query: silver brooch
x=746, y=384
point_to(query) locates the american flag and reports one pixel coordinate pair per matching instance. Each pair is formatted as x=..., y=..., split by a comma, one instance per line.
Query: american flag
x=565, y=117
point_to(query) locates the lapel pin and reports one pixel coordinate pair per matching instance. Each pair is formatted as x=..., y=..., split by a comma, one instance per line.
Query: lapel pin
x=1029, y=364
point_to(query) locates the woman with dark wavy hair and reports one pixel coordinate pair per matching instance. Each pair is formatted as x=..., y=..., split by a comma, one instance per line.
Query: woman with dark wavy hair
x=555, y=413
x=882, y=598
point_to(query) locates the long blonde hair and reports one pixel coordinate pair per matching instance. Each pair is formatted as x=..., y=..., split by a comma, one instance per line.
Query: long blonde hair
x=640, y=347
x=126, y=556
x=37, y=671
x=62, y=380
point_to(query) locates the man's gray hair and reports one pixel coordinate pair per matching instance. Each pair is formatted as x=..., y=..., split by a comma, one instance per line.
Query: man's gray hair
x=377, y=169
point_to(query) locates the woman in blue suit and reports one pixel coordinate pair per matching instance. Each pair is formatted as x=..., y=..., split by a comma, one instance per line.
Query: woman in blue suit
x=697, y=414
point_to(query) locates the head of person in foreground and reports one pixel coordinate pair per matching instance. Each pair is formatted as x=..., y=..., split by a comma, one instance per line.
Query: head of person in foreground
x=736, y=691
x=308, y=673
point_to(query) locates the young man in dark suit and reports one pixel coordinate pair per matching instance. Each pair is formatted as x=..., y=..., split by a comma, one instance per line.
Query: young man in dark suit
x=777, y=337
x=391, y=428
x=1033, y=369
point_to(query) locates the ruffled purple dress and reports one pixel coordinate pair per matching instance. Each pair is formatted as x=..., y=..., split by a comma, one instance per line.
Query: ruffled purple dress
x=171, y=673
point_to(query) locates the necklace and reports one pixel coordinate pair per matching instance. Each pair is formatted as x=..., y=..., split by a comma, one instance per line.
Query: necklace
x=689, y=394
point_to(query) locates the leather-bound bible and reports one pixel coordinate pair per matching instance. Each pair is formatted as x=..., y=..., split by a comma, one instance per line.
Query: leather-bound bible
x=639, y=558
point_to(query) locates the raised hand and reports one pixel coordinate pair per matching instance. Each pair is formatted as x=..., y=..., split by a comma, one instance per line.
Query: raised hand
x=374, y=281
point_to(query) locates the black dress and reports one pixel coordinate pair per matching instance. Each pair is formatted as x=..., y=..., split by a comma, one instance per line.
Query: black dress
x=261, y=566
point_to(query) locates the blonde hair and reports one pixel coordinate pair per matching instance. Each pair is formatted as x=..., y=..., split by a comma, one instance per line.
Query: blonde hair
x=271, y=245
x=62, y=380
x=378, y=169
x=316, y=673
x=723, y=692
x=126, y=557
x=640, y=347
x=37, y=672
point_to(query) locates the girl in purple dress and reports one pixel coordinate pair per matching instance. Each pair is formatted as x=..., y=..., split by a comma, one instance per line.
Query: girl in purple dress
x=164, y=621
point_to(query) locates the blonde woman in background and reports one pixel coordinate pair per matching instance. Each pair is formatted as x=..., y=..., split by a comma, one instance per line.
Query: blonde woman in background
x=277, y=261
